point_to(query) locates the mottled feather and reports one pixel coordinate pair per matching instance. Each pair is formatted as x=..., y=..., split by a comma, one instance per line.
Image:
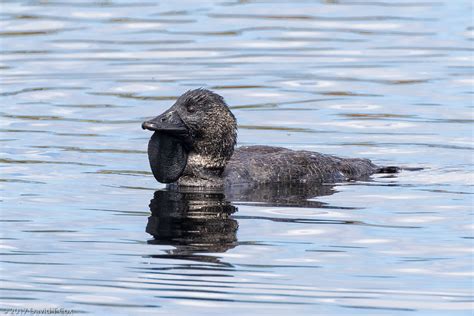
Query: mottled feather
x=265, y=164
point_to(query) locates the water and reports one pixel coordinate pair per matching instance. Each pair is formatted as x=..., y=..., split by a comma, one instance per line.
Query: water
x=386, y=80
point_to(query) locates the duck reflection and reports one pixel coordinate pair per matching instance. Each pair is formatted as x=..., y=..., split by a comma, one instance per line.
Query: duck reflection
x=197, y=222
x=294, y=195
x=192, y=222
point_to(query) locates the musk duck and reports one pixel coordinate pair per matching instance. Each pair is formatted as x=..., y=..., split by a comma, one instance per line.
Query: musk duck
x=194, y=145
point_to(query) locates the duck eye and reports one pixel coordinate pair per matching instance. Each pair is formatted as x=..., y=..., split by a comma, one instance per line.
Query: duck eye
x=191, y=108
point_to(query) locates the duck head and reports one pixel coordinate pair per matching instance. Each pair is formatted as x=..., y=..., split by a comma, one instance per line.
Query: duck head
x=193, y=139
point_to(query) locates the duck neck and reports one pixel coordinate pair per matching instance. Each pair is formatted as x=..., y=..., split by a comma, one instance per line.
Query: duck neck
x=205, y=165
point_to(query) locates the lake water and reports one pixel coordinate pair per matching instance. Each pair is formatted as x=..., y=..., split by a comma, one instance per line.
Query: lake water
x=82, y=227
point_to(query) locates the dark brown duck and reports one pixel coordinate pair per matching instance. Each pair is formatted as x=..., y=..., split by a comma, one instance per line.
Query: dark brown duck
x=194, y=145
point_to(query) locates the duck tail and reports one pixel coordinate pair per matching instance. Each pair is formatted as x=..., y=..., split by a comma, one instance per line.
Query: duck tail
x=389, y=169
x=394, y=169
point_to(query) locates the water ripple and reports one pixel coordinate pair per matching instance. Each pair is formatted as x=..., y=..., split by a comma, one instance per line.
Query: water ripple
x=86, y=227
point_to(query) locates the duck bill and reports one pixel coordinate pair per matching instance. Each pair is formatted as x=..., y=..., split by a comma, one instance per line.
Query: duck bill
x=169, y=123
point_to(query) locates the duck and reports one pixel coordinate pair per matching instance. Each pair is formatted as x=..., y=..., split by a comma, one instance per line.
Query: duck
x=194, y=145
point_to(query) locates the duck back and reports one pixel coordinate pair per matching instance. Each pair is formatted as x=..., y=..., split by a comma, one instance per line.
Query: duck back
x=266, y=164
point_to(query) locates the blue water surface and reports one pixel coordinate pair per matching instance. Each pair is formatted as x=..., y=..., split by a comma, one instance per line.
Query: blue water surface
x=82, y=227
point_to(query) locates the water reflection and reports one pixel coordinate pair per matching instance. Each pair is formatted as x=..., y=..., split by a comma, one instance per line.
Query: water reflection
x=192, y=222
x=280, y=194
x=195, y=221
